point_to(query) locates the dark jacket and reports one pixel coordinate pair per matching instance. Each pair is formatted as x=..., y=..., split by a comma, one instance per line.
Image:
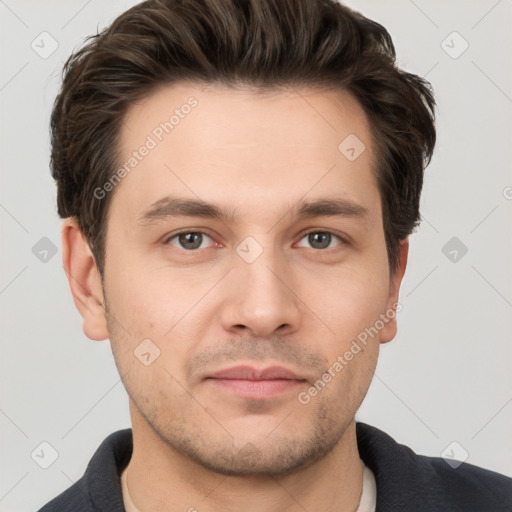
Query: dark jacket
x=405, y=481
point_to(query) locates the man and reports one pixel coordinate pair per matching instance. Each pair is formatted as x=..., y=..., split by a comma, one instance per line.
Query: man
x=238, y=181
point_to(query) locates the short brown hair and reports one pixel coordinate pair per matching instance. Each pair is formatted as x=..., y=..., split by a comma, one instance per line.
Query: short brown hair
x=262, y=43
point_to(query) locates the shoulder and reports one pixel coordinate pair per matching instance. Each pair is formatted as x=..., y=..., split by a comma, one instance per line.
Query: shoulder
x=99, y=488
x=468, y=480
x=406, y=480
x=72, y=499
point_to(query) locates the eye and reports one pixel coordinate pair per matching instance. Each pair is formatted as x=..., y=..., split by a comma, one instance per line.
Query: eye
x=194, y=240
x=321, y=239
x=189, y=240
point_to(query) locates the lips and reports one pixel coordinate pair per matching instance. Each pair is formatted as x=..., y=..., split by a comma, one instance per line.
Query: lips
x=251, y=373
x=248, y=382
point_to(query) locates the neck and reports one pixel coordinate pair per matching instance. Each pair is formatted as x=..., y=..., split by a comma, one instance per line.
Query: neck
x=161, y=478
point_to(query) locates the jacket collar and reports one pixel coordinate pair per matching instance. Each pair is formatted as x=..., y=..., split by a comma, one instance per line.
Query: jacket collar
x=405, y=481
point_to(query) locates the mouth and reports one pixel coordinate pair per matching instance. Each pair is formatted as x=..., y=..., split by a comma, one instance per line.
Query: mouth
x=254, y=383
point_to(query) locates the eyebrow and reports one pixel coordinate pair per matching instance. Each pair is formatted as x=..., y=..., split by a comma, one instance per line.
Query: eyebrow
x=170, y=206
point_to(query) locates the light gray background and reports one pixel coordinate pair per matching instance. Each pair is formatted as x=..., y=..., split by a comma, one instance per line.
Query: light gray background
x=448, y=374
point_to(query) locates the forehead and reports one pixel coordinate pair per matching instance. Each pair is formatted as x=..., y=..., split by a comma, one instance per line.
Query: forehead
x=240, y=145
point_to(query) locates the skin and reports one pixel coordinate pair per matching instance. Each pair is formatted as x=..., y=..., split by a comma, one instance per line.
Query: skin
x=297, y=305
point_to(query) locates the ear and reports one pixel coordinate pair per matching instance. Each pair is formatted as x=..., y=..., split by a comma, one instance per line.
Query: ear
x=390, y=328
x=84, y=280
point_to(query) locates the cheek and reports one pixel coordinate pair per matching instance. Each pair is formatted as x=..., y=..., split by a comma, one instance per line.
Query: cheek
x=144, y=300
x=155, y=316
x=350, y=301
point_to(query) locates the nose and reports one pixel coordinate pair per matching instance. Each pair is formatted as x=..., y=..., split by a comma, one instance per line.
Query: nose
x=262, y=298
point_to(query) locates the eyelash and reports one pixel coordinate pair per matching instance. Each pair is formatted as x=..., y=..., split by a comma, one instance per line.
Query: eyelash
x=303, y=235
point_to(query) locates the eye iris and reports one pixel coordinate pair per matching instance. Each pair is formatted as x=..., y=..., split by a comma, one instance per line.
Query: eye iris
x=190, y=240
x=324, y=239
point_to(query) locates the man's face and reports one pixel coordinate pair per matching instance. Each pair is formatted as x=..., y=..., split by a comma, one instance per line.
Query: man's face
x=261, y=288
